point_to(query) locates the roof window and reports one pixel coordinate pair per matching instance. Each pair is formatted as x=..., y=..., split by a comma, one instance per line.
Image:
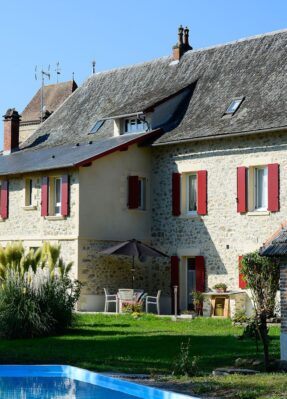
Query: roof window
x=97, y=126
x=233, y=106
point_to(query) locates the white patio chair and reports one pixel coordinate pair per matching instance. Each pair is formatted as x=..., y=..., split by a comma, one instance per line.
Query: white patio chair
x=153, y=300
x=111, y=298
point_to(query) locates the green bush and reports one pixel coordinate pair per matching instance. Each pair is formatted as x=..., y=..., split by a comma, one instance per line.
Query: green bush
x=35, y=300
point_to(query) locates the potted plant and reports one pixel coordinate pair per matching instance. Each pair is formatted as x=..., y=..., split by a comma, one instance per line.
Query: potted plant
x=220, y=287
x=197, y=298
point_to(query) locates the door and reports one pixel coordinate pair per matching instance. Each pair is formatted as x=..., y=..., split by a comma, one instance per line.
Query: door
x=187, y=282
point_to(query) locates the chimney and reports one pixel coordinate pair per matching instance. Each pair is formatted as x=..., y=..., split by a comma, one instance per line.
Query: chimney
x=11, y=131
x=182, y=45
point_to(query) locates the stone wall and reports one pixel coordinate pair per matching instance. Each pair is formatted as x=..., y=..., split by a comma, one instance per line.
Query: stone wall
x=223, y=234
x=113, y=272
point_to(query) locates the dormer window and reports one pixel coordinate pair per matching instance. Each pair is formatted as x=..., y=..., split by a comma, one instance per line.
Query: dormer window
x=134, y=125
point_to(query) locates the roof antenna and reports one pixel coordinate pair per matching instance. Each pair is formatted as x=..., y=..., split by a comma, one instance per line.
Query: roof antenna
x=58, y=71
x=44, y=75
x=94, y=66
x=73, y=75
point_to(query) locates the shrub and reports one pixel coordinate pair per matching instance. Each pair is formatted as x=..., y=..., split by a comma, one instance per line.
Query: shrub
x=36, y=300
x=185, y=364
x=132, y=307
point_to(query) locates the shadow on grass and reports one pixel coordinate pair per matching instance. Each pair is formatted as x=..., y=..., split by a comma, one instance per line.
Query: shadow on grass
x=127, y=351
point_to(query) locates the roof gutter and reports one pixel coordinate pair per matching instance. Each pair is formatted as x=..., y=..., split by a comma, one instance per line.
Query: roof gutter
x=220, y=136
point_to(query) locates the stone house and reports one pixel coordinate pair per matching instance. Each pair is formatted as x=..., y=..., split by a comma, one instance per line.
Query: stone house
x=185, y=152
x=53, y=96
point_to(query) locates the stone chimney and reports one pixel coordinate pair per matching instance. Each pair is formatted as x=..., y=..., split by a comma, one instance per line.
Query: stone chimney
x=182, y=45
x=11, y=131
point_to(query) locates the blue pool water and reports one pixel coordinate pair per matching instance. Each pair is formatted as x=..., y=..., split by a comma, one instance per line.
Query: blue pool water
x=67, y=382
x=54, y=387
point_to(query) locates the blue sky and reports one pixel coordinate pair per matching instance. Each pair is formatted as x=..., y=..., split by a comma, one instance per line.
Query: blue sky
x=114, y=33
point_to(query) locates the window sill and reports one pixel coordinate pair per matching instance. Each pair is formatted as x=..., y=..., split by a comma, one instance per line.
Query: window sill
x=190, y=216
x=30, y=208
x=55, y=217
x=258, y=213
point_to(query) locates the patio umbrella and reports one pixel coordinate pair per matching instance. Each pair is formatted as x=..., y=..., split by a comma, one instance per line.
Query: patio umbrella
x=133, y=248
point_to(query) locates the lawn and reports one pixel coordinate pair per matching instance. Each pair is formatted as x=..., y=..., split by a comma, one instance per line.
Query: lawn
x=147, y=345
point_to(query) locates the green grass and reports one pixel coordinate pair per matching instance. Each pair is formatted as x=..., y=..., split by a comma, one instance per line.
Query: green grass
x=145, y=345
x=151, y=345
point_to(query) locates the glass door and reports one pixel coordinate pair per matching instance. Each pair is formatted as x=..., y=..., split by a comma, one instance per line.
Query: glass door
x=191, y=282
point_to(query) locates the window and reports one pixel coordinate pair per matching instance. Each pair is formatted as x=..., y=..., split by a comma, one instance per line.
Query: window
x=134, y=125
x=137, y=192
x=142, y=193
x=191, y=282
x=260, y=189
x=191, y=190
x=97, y=126
x=233, y=106
x=28, y=192
x=57, y=193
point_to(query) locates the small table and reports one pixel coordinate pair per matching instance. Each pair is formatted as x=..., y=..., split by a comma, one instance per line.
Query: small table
x=220, y=298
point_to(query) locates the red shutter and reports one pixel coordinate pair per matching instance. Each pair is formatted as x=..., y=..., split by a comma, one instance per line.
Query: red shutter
x=242, y=282
x=176, y=194
x=65, y=196
x=199, y=273
x=44, y=196
x=133, y=195
x=241, y=189
x=273, y=187
x=4, y=199
x=202, y=192
x=174, y=279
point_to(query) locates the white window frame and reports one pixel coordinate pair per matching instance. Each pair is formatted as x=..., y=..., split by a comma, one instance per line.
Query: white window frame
x=139, y=122
x=189, y=212
x=29, y=192
x=53, y=205
x=142, y=200
x=265, y=188
x=57, y=205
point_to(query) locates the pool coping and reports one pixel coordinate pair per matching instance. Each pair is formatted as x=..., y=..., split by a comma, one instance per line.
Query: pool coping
x=75, y=373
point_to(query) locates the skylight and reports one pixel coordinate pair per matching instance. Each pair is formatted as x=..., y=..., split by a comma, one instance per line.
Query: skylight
x=97, y=126
x=233, y=106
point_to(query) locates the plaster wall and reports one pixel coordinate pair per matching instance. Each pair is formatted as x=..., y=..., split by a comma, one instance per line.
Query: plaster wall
x=104, y=214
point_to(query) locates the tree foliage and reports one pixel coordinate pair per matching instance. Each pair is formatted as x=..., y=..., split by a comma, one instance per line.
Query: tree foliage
x=262, y=277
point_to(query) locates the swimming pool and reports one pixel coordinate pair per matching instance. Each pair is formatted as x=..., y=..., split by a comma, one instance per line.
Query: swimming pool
x=67, y=382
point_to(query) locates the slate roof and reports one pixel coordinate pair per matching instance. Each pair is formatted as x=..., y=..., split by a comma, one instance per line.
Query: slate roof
x=66, y=156
x=255, y=68
x=54, y=96
x=277, y=244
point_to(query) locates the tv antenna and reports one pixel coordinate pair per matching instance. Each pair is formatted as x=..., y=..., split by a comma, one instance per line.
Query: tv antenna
x=58, y=71
x=94, y=66
x=43, y=74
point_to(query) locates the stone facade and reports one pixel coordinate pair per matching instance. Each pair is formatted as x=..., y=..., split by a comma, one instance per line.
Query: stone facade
x=112, y=272
x=283, y=299
x=223, y=234
x=25, y=223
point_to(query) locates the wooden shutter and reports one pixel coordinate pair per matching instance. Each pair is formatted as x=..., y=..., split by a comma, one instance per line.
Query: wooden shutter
x=241, y=189
x=242, y=282
x=45, y=196
x=202, y=192
x=199, y=273
x=65, y=196
x=4, y=199
x=174, y=279
x=176, y=178
x=273, y=187
x=133, y=194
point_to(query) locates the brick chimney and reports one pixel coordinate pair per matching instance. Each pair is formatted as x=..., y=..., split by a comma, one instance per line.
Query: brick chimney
x=182, y=45
x=11, y=131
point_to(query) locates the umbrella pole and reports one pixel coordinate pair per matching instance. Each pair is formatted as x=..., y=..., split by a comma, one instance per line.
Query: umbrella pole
x=133, y=271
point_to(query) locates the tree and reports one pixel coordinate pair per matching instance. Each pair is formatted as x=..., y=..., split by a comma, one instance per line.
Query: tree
x=262, y=277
